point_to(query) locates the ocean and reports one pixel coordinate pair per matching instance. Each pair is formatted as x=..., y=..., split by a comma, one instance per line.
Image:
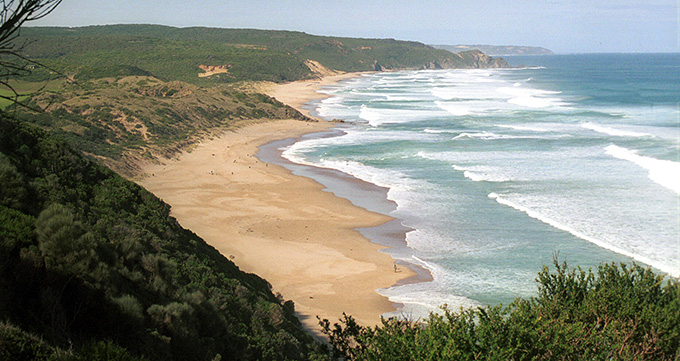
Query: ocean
x=496, y=172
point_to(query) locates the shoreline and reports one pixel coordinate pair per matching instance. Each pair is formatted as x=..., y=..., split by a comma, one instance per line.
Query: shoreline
x=369, y=196
x=283, y=227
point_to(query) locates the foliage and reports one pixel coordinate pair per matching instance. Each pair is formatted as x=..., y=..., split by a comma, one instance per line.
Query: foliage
x=93, y=264
x=619, y=313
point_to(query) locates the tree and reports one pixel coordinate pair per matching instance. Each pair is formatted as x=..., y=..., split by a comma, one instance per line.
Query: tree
x=13, y=15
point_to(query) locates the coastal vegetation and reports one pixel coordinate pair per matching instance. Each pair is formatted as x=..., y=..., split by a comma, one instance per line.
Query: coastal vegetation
x=123, y=121
x=619, y=312
x=170, y=53
x=93, y=264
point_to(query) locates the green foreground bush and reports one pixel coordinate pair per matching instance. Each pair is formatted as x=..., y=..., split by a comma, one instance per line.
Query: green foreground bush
x=93, y=264
x=618, y=313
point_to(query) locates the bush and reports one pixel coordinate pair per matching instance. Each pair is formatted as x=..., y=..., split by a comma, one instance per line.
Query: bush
x=621, y=312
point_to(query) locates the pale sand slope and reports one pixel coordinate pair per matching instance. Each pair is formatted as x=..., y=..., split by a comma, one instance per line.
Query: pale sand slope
x=281, y=227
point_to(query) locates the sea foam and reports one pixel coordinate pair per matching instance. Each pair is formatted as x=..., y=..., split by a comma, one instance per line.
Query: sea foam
x=613, y=132
x=532, y=98
x=536, y=215
x=663, y=172
x=482, y=174
x=454, y=108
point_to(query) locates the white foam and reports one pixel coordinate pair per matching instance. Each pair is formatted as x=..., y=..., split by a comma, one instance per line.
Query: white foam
x=435, y=131
x=454, y=108
x=523, y=128
x=441, y=131
x=421, y=299
x=400, y=187
x=532, y=98
x=532, y=102
x=484, y=135
x=370, y=115
x=536, y=215
x=482, y=174
x=614, y=132
x=481, y=135
x=663, y=172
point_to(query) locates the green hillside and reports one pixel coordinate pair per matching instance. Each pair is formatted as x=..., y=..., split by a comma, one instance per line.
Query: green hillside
x=91, y=263
x=176, y=53
x=124, y=120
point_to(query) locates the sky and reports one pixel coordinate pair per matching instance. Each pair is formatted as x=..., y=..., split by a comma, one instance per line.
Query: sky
x=564, y=26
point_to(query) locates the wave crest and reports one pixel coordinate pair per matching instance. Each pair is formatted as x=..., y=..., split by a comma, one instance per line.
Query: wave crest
x=663, y=172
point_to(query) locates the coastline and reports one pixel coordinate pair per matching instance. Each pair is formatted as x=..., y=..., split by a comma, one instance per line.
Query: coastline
x=283, y=227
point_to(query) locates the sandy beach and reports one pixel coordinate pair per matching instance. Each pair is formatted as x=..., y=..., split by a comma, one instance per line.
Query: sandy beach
x=296, y=94
x=282, y=227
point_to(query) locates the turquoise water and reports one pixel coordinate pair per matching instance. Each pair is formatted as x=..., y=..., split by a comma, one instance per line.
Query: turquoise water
x=499, y=170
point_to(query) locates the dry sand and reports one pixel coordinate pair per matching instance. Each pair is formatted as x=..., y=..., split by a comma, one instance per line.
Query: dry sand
x=296, y=94
x=282, y=227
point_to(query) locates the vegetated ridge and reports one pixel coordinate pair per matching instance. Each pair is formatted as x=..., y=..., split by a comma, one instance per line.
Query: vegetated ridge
x=128, y=120
x=170, y=53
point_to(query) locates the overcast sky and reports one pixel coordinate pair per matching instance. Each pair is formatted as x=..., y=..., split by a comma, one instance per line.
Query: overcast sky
x=564, y=26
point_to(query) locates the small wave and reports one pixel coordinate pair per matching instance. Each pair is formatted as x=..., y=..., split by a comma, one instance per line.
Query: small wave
x=535, y=102
x=527, y=68
x=482, y=135
x=523, y=128
x=482, y=174
x=614, y=132
x=493, y=136
x=534, y=214
x=663, y=172
x=437, y=131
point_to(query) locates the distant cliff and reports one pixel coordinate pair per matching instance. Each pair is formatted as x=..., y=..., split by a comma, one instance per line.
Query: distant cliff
x=497, y=50
x=472, y=59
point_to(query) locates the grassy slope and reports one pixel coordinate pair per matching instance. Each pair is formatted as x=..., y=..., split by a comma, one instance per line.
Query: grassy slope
x=127, y=119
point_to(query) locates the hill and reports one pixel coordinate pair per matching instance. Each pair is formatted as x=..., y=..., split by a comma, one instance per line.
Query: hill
x=497, y=50
x=241, y=54
x=130, y=119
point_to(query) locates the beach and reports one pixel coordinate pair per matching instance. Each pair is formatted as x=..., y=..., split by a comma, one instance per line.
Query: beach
x=282, y=227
